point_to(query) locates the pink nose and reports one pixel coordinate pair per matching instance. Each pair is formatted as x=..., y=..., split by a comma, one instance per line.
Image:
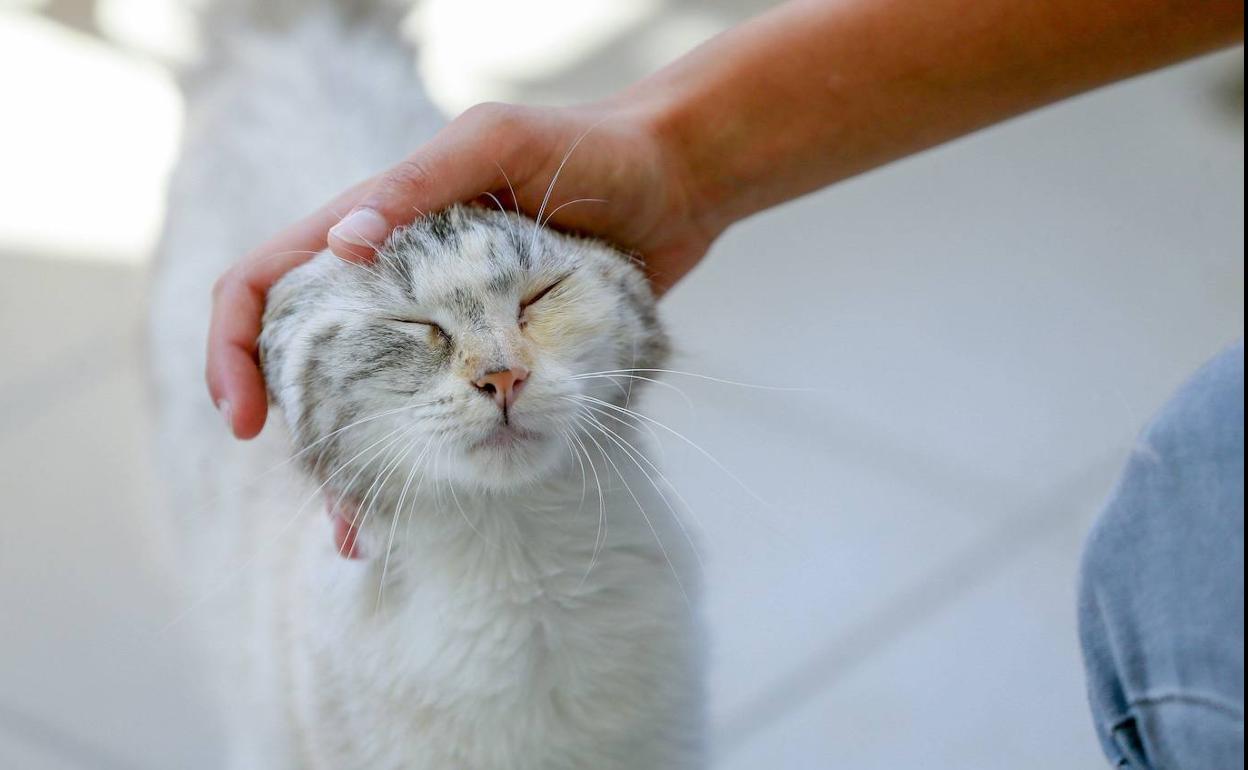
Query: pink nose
x=503, y=385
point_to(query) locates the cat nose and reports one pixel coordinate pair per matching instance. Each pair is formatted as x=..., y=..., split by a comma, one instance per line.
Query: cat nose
x=503, y=385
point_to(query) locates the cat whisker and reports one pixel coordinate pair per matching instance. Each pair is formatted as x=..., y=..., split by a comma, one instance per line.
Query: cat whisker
x=567, y=439
x=438, y=480
x=398, y=507
x=248, y=483
x=510, y=188
x=394, y=525
x=634, y=426
x=683, y=438
x=497, y=202
x=609, y=378
x=720, y=380
x=387, y=464
x=450, y=485
x=359, y=422
x=555, y=179
x=643, y=426
x=378, y=485
x=351, y=484
x=593, y=376
x=601, y=536
x=411, y=511
x=636, y=456
x=403, y=431
x=632, y=362
x=515, y=232
x=657, y=539
x=561, y=206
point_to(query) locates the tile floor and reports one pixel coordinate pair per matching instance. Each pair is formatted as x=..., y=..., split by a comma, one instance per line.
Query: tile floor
x=988, y=324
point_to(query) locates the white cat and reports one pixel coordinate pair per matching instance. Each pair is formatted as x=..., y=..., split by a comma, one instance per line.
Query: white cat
x=525, y=596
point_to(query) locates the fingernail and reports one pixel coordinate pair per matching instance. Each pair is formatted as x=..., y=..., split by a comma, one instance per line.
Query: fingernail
x=362, y=227
x=227, y=414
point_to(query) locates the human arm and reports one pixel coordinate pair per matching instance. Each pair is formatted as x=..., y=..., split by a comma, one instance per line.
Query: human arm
x=801, y=97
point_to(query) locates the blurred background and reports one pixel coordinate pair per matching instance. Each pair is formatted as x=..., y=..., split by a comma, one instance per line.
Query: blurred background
x=992, y=321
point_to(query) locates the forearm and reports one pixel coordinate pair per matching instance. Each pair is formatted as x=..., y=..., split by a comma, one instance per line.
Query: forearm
x=818, y=90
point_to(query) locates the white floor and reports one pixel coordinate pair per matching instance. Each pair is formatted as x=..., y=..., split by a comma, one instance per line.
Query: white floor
x=988, y=326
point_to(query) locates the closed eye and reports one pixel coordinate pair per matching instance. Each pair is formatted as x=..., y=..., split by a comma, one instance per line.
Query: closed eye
x=533, y=300
x=413, y=321
x=433, y=327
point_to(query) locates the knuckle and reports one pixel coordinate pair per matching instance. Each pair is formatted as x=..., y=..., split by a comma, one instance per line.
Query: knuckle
x=494, y=118
x=484, y=112
x=410, y=173
x=222, y=285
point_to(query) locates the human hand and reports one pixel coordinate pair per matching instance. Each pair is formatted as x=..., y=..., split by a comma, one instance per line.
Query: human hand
x=616, y=179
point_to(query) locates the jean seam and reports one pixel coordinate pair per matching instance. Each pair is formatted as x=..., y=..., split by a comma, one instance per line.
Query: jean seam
x=1187, y=699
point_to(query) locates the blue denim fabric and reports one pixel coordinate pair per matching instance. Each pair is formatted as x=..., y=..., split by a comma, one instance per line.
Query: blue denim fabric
x=1161, y=605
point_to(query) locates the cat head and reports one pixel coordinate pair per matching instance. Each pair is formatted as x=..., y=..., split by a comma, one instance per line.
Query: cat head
x=472, y=350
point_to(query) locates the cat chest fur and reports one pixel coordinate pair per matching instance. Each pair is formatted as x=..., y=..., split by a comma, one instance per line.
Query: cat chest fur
x=493, y=635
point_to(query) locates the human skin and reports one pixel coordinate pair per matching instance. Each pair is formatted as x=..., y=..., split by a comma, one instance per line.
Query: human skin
x=801, y=97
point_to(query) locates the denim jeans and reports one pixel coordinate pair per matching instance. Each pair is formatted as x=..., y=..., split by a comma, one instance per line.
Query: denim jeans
x=1161, y=606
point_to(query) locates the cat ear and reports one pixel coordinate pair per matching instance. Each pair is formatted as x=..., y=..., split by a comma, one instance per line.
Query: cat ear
x=344, y=515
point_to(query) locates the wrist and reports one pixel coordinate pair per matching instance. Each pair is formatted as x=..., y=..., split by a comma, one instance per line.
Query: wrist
x=660, y=113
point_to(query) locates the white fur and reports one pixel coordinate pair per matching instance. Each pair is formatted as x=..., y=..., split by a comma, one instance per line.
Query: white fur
x=492, y=645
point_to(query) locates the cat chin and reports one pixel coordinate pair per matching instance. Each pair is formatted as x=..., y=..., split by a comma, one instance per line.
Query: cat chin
x=510, y=466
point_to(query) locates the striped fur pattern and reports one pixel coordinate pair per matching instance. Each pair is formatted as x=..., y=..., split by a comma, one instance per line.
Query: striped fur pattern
x=450, y=297
x=526, y=600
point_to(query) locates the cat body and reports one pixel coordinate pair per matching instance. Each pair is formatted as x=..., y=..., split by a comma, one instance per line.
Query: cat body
x=526, y=594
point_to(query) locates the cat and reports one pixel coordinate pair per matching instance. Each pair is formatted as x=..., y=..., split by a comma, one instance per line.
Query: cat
x=523, y=593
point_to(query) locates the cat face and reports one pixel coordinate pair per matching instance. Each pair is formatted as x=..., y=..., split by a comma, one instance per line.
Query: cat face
x=470, y=351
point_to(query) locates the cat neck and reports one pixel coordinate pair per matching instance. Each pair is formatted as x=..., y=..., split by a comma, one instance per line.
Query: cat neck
x=598, y=501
